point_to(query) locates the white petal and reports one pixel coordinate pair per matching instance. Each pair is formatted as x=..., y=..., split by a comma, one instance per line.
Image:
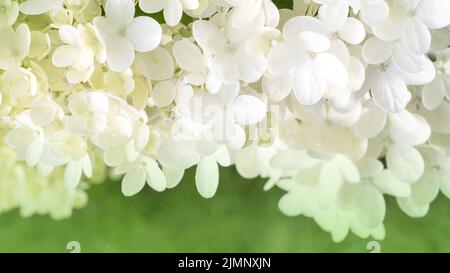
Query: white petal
x=188, y=56
x=348, y=169
x=277, y=87
x=433, y=93
x=64, y=56
x=294, y=26
x=426, y=189
x=227, y=67
x=283, y=57
x=169, y=154
x=251, y=68
x=371, y=123
x=190, y=4
x=375, y=13
x=156, y=64
x=390, y=93
x=222, y=156
x=120, y=54
x=416, y=37
x=392, y=28
x=133, y=182
x=72, y=174
x=245, y=12
x=405, y=162
x=329, y=183
x=353, y=31
x=152, y=6
x=248, y=110
x=69, y=35
x=331, y=69
x=155, y=177
x=34, y=7
x=334, y=14
x=372, y=207
x=173, y=177
x=434, y=13
x=308, y=86
x=387, y=183
x=34, y=151
x=411, y=209
x=207, y=176
x=164, y=93
x=173, y=12
x=19, y=137
x=120, y=12
x=144, y=33
x=406, y=61
x=409, y=128
x=208, y=36
x=314, y=42
x=376, y=51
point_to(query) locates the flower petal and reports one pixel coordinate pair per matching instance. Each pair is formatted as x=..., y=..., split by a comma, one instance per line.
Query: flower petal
x=144, y=33
x=207, y=176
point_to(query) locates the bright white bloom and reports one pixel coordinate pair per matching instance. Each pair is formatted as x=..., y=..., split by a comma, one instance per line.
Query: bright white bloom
x=410, y=20
x=304, y=51
x=122, y=34
x=27, y=138
x=19, y=83
x=230, y=59
x=73, y=55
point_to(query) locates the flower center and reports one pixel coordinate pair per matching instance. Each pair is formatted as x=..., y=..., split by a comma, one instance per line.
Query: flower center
x=121, y=31
x=230, y=48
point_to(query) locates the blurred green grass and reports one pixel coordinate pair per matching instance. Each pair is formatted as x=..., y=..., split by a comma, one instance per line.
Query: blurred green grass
x=240, y=218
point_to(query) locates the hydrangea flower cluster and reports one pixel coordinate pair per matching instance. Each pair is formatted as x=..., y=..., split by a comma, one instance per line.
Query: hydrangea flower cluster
x=340, y=103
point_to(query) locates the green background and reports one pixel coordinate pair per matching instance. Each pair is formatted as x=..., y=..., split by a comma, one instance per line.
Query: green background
x=240, y=218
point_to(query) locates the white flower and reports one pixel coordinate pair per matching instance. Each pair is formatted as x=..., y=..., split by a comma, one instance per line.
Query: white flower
x=19, y=83
x=230, y=59
x=27, y=138
x=426, y=189
x=222, y=114
x=15, y=45
x=122, y=34
x=137, y=173
x=335, y=16
x=89, y=112
x=305, y=52
x=197, y=65
x=173, y=9
x=409, y=21
x=73, y=55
